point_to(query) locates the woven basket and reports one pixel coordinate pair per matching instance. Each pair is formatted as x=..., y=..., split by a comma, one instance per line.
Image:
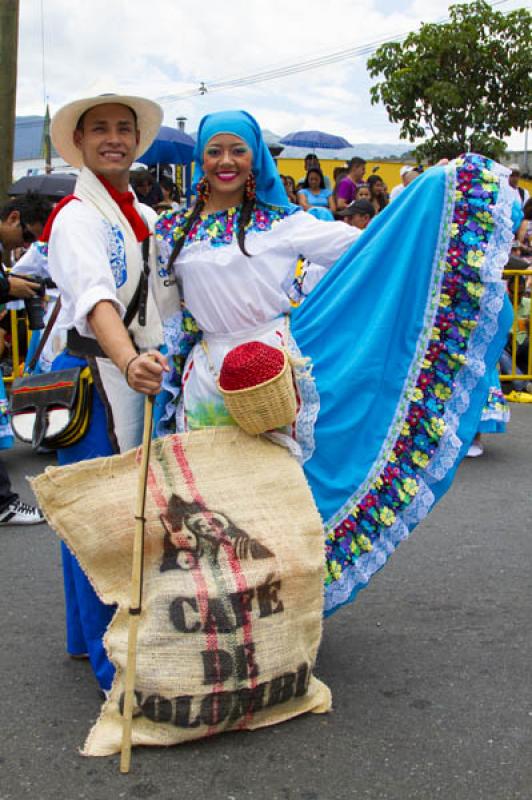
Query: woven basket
x=266, y=405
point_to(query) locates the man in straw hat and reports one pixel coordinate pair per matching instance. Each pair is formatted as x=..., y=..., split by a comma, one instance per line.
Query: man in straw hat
x=99, y=256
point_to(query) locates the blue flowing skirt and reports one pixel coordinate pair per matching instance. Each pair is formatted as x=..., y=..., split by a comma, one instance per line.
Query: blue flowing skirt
x=404, y=333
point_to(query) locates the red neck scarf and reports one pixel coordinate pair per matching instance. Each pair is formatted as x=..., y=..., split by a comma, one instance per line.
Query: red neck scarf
x=124, y=201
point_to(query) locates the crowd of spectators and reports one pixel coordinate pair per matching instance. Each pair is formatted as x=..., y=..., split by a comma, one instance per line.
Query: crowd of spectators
x=352, y=198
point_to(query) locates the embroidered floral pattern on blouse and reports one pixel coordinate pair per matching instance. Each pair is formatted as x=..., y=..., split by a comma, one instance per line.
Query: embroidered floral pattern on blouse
x=351, y=534
x=220, y=228
x=180, y=337
x=41, y=247
x=296, y=293
x=117, y=254
x=116, y=250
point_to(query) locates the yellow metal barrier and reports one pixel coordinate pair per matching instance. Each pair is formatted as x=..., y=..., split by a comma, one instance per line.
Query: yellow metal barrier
x=17, y=360
x=520, y=324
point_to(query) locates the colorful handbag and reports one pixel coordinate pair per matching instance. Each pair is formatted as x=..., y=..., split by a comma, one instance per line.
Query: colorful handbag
x=53, y=409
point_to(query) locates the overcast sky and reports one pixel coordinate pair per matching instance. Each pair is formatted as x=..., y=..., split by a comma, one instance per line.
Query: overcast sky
x=162, y=48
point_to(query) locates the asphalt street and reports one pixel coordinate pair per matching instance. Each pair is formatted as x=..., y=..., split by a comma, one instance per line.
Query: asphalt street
x=430, y=670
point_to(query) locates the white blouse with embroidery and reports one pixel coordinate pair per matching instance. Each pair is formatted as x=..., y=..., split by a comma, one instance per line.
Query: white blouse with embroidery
x=226, y=291
x=87, y=260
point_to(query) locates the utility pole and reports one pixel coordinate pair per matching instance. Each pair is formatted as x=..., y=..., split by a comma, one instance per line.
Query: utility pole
x=9, y=12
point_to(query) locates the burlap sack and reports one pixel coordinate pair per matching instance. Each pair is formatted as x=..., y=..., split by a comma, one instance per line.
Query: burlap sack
x=233, y=591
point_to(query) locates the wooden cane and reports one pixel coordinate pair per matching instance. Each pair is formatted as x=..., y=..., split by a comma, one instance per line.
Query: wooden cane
x=136, y=589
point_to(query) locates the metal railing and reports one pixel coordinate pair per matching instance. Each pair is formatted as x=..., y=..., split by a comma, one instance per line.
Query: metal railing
x=17, y=321
x=516, y=278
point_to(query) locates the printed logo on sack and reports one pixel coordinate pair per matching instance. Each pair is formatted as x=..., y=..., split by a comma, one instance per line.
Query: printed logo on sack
x=193, y=531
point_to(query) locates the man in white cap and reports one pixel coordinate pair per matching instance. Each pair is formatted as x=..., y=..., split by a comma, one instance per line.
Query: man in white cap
x=407, y=173
x=99, y=257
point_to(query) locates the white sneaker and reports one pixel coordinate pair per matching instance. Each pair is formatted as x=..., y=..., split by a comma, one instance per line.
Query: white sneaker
x=475, y=450
x=19, y=513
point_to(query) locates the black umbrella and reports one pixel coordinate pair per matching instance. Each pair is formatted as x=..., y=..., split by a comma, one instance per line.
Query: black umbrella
x=56, y=185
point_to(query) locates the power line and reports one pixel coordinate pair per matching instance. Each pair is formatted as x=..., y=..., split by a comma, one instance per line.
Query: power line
x=281, y=72
x=275, y=73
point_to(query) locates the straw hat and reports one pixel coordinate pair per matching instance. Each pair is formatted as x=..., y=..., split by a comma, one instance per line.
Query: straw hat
x=149, y=118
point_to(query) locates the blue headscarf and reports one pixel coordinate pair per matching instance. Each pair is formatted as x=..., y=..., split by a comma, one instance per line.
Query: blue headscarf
x=270, y=187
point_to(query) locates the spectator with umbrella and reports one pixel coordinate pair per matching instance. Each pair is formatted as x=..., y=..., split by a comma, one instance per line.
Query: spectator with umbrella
x=312, y=162
x=313, y=192
x=314, y=140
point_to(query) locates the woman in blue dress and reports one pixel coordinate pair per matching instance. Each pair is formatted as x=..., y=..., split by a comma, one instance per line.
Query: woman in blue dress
x=314, y=194
x=398, y=377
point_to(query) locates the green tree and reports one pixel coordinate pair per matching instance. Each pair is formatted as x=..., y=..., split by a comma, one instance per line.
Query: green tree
x=462, y=85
